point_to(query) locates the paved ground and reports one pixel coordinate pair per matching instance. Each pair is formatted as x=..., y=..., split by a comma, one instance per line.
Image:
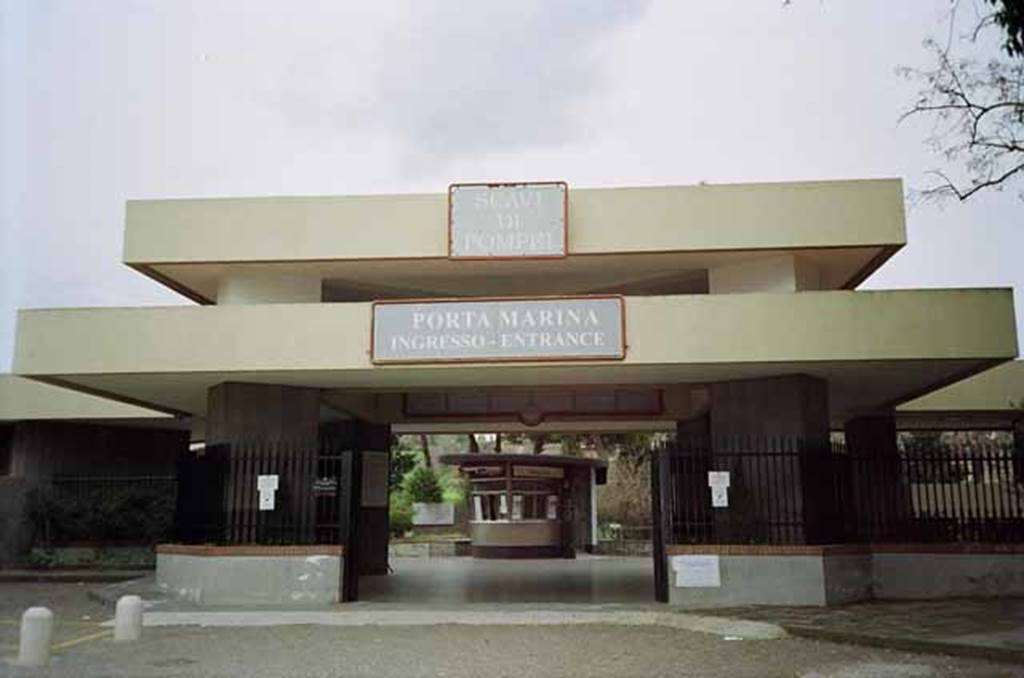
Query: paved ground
x=596, y=650
x=76, y=615
x=491, y=652
x=586, y=579
x=973, y=627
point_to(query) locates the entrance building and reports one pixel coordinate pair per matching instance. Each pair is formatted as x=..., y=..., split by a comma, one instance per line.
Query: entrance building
x=726, y=315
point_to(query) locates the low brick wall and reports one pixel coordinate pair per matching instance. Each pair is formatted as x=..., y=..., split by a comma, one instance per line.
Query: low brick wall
x=833, y=575
x=429, y=549
x=623, y=547
x=251, y=574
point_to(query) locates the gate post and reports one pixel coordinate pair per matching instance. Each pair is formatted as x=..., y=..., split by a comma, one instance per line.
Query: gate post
x=350, y=498
x=660, y=474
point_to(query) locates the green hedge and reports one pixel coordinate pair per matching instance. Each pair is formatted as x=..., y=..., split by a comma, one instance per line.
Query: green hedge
x=126, y=514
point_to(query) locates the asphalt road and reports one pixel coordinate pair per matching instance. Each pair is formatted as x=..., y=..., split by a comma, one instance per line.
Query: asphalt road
x=448, y=650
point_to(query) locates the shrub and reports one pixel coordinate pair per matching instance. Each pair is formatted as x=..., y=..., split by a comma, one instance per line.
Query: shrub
x=422, y=485
x=129, y=513
x=399, y=514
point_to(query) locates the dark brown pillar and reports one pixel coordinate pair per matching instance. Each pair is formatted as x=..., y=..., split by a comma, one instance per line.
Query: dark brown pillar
x=772, y=435
x=239, y=412
x=374, y=528
x=879, y=502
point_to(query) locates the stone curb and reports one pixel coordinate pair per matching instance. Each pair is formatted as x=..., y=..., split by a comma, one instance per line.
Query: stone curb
x=71, y=576
x=738, y=628
x=906, y=644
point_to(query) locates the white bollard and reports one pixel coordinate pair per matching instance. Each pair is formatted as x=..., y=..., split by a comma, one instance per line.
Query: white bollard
x=128, y=618
x=36, y=634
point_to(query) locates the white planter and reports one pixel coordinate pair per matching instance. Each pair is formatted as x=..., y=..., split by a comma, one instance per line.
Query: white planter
x=433, y=514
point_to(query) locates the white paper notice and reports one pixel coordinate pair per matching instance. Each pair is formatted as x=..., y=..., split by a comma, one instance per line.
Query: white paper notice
x=718, y=479
x=552, y=507
x=266, y=486
x=719, y=496
x=697, y=571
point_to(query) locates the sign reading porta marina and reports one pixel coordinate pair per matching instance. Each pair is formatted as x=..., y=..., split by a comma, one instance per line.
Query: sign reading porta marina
x=521, y=220
x=568, y=328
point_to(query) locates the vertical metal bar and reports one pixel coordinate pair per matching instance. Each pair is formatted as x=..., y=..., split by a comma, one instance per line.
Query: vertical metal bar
x=658, y=458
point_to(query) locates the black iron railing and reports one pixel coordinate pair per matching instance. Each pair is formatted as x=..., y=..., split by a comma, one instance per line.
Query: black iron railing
x=219, y=495
x=789, y=491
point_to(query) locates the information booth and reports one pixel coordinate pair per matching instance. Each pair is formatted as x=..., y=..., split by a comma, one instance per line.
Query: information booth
x=530, y=506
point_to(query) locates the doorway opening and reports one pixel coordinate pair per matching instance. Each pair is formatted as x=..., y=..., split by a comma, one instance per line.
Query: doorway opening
x=519, y=518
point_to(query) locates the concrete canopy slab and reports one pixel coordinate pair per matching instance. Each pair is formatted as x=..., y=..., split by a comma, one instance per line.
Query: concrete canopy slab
x=993, y=399
x=875, y=349
x=25, y=399
x=395, y=245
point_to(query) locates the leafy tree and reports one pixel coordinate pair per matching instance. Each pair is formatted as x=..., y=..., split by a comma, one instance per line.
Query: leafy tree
x=975, y=102
x=403, y=459
x=422, y=485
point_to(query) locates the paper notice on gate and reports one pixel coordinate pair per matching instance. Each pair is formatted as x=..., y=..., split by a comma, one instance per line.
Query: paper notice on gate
x=719, y=496
x=701, y=571
x=718, y=479
x=266, y=486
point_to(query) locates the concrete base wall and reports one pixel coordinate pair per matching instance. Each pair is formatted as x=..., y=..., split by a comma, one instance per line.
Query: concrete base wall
x=920, y=576
x=756, y=580
x=810, y=575
x=285, y=580
x=848, y=578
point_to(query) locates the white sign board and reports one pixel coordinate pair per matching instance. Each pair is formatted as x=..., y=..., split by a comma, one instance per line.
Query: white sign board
x=266, y=486
x=375, y=480
x=697, y=571
x=507, y=220
x=570, y=328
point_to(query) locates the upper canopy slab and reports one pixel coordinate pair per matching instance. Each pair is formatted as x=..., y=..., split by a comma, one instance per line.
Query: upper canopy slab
x=993, y=399
x=845, y=228
x=27, y=400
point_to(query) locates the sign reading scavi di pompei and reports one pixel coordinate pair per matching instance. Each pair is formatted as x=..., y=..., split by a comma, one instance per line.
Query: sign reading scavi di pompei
x=563, y=328
x=507, y=220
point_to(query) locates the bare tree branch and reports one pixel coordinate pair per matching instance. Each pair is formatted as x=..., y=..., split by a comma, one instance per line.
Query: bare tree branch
x=977, y=110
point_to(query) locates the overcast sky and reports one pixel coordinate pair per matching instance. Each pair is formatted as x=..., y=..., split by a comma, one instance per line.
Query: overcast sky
x=106, y=100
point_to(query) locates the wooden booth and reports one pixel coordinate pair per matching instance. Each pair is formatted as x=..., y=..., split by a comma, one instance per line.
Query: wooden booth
x=530, y=506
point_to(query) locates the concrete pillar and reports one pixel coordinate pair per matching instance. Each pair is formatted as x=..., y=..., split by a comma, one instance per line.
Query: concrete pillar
x=880, y=503
x=782, y=497
x=795, y=405
x=373, y=520
x=264, y=288
x=782, y=273
x=367, y=439
x=239, y=411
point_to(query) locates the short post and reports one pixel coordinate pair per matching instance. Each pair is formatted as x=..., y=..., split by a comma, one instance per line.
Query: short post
x=36, y=634
x=128, y=618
